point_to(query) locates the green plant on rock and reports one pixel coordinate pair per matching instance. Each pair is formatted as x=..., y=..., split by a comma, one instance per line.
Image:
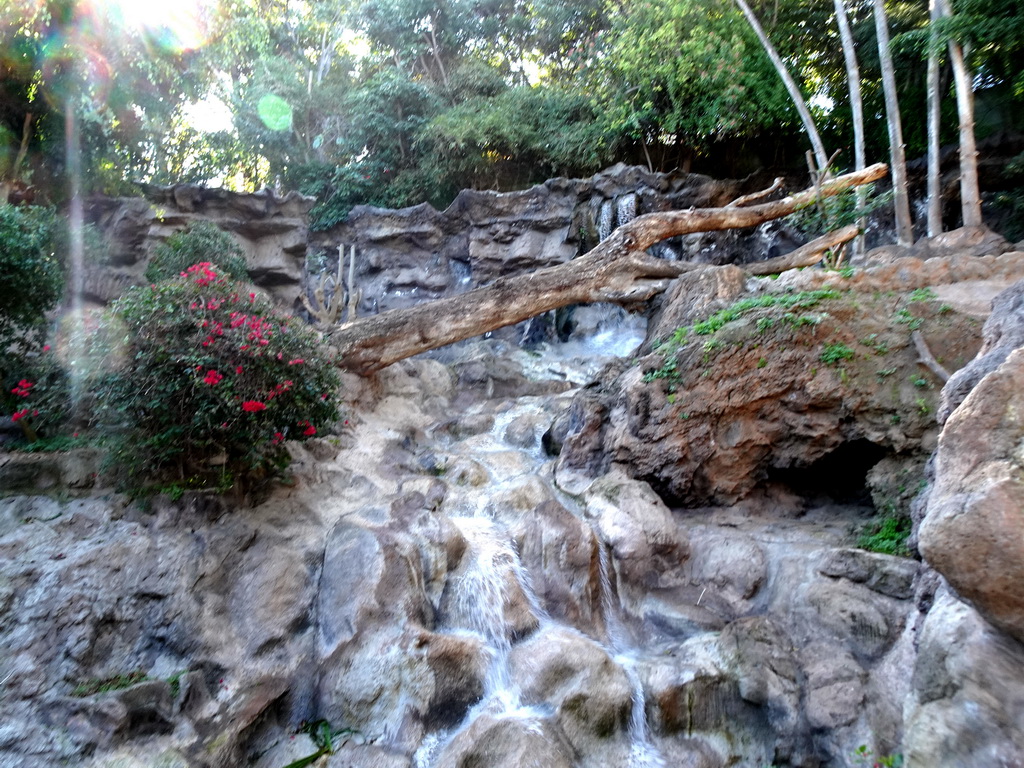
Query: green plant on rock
x=865, y=756
x=113, y=683
x=922, y=294
x=201, y=241
x=326, y=739
x=887, y=534
x=214, y=381
x=835, y=353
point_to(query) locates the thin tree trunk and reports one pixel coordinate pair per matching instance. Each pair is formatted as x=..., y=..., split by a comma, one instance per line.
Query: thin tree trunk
x=618, y=270
x=970, y=195
x=897, y=153
x=794, y=91
x=934, y=126
x=856, y=107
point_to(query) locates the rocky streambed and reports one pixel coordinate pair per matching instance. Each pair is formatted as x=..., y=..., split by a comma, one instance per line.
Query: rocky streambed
x=571, y=557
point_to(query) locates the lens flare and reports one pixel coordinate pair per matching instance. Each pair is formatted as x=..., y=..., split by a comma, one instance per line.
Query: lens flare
x=183, y=25
x=275, y=112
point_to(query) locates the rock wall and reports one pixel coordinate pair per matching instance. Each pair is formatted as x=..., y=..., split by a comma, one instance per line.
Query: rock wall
x=272, y=232
x=419, y=253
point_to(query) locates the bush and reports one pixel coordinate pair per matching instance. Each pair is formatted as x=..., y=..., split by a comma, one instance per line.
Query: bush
x=31, y=275
x=215, y=381
x=34, y=388
x=202, y=241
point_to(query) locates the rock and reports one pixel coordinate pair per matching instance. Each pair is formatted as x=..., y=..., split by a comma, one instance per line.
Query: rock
x=590, y=694
x=459, y=665
x=835, y=686
x=1003, y=333
x=522, y=431
x=793, y=413
x=888, y=575
x=561, y=554
x=964, y=709
x=367, y=756
x=272, y=232
x=508, y=742
x=731, y=567
x=867, y=621
x=971, y=530
x=648, y=547
x=760, y=655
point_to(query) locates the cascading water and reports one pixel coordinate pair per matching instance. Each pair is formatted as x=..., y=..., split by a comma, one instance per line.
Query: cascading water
x=491, y=577
x=606, y=220
x=625, y=209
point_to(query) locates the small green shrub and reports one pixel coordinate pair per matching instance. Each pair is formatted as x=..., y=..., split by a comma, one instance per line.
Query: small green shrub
x=906, y=317
x=922, y=294
x=835, y=353
x=201, y=242
x=215, y=381
x=887, y=534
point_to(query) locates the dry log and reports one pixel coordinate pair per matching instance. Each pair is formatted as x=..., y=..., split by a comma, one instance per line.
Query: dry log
x=927, y=359
x=618, y=270
x=805, y=256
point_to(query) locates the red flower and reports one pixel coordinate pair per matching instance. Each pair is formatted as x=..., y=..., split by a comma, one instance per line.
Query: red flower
x=253, y=405
x=213, y=377
x=46, y=348
x=296, y=361
x=19, y=414
x=238, y=369
x=309, y=431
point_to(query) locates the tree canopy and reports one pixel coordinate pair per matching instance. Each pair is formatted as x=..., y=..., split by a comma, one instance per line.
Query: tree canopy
x=396, y=102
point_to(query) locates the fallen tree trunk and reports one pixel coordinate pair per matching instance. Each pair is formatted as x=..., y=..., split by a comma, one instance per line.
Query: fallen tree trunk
x=618, y=270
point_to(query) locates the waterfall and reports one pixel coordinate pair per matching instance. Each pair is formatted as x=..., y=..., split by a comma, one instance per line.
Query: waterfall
x=625, y=209
x=643, y=754
x=606, y=221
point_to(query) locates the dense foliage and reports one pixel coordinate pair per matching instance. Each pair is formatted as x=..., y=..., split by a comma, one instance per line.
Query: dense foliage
x=34, y=387
x=200, y=241
x=396, y=102
x=213, y=381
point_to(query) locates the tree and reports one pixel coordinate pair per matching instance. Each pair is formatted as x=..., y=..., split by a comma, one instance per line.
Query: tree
x=901, y=198
x=123, y=87
x=970, y=195
x=820, y=155
x=856, y=104
x=675, y=77
x=934, y=195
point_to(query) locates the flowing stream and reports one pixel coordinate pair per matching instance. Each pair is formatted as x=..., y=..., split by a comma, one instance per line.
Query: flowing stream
x=492, y=576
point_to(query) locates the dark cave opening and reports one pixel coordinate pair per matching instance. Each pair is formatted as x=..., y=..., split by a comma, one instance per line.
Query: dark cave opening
x=839, y=476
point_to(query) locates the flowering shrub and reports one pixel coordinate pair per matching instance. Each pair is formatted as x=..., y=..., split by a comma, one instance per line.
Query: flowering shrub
x=215, y=381
x=36, y=393
x=202, y=241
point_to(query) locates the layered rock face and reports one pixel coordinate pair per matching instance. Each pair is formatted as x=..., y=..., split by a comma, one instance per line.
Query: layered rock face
x=272, y=232
x=414, y=254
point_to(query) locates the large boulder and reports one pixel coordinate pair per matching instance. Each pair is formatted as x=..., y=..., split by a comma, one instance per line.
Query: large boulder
x=791, y=386
x=966, y=692
x=590, y=694
x=972, y=529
